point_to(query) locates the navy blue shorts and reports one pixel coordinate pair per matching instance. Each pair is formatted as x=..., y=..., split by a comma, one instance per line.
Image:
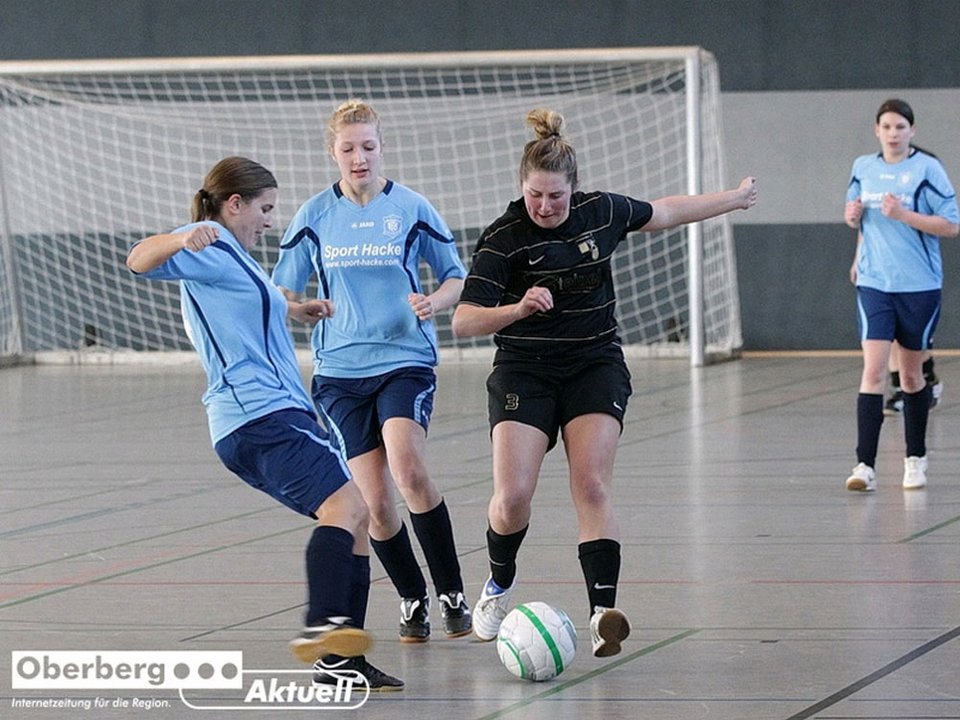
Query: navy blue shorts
x=549, y=396
x=358, y=407
x=909, y=318
x=287, y=455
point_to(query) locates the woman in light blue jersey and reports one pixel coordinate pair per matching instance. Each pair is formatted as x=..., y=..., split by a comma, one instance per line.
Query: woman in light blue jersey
x=363, y=239
x=261, y=420
x=901, y=202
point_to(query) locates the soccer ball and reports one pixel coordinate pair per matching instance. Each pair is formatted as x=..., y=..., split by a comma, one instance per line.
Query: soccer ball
x=536, y=641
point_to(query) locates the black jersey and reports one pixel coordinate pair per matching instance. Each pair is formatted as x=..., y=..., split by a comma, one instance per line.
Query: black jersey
x=572, y=260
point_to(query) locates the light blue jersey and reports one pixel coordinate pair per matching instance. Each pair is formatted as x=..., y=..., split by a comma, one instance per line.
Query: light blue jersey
x=895, y=257
x=237, y=320
x=367, y=261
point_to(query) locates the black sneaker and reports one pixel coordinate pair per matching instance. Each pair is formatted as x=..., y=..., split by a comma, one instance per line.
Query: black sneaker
x=414, y=620
x=330, y=635
x=894, y=403
x=936, y=390
x=331, y=668
x=457, y=620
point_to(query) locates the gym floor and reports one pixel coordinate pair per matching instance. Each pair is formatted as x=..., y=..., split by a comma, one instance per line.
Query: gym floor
x=757, y=586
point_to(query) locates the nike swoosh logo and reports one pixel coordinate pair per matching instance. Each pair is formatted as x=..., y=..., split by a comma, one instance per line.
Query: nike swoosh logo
x=598, y=586
x=534, y=261
x=617, y=406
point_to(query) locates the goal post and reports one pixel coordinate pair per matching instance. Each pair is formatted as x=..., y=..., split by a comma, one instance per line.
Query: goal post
x=97, y=154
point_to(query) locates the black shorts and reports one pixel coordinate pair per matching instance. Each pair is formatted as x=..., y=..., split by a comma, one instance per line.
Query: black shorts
x=548, y=396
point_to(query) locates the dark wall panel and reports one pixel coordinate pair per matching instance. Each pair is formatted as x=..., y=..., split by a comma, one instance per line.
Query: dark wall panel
x=795, y=292
x=760, y=44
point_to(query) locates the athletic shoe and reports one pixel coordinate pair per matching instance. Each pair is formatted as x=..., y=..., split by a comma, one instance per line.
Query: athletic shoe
x=608, y=628
x=456, y=615
x=894, y=403
x=491, y=609
x=330, y=636
x=936, y=387
x=329, y=669
x=914, y=472
x=414, y=620
x=862, y=478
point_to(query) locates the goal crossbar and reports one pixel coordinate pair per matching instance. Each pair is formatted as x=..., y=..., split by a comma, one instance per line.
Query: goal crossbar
x=97, y=153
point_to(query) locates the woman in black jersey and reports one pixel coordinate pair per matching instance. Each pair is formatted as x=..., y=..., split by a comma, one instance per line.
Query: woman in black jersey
x=541, y=283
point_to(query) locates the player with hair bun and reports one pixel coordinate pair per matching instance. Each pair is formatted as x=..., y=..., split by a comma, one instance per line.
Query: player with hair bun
x=901, y=202
x=541, y=283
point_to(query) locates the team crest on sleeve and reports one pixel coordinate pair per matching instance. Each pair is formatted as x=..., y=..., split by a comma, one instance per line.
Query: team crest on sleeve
x=392, y=226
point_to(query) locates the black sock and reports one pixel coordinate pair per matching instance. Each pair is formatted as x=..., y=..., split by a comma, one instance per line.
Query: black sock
x=396, y=556
x=360, y=589
x=869, y=420
x=329, y=560
x=916, y=410
x=895, y=380
x=928, y=374
x=600, y=561
x=435, y=533
x=502, y=551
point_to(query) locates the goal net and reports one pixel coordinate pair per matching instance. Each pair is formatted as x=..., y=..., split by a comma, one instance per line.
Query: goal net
x=96, y=155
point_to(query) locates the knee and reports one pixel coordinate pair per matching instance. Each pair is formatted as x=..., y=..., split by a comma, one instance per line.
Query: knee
x=412, y=480
x=345, y=508
x=912, y=382
x=590, y=492
x=511, y=508
x=382, y=512
x=875, y=376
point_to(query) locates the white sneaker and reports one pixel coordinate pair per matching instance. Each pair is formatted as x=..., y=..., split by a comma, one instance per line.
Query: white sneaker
x=862, y=478
x=491, y=609
x=608, y=628
x=914, y=472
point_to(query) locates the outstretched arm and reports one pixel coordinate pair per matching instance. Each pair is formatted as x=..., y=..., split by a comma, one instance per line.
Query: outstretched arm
x=154, y=251
x=676, y=210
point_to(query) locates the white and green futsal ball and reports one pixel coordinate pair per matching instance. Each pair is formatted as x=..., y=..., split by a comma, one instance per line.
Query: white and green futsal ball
x=536, y=641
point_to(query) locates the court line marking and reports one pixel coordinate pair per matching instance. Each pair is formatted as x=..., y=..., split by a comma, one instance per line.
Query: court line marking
x=556, y=689
x=887, y=669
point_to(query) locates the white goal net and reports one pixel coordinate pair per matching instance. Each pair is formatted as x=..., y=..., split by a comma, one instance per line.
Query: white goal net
x=96, y=155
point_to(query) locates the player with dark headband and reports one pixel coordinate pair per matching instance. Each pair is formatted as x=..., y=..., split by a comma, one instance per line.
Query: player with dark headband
x=901, y=202
x=261, y=420
x=541, y=282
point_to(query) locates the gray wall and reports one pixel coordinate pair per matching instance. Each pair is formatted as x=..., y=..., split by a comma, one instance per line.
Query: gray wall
x=801, y=80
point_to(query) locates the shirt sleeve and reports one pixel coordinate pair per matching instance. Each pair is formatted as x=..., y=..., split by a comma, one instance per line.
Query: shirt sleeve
x=294, y=264
x=853, y=187
x=489, y=275
x=938, y=196
x=438, y=246
x=205, y=265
